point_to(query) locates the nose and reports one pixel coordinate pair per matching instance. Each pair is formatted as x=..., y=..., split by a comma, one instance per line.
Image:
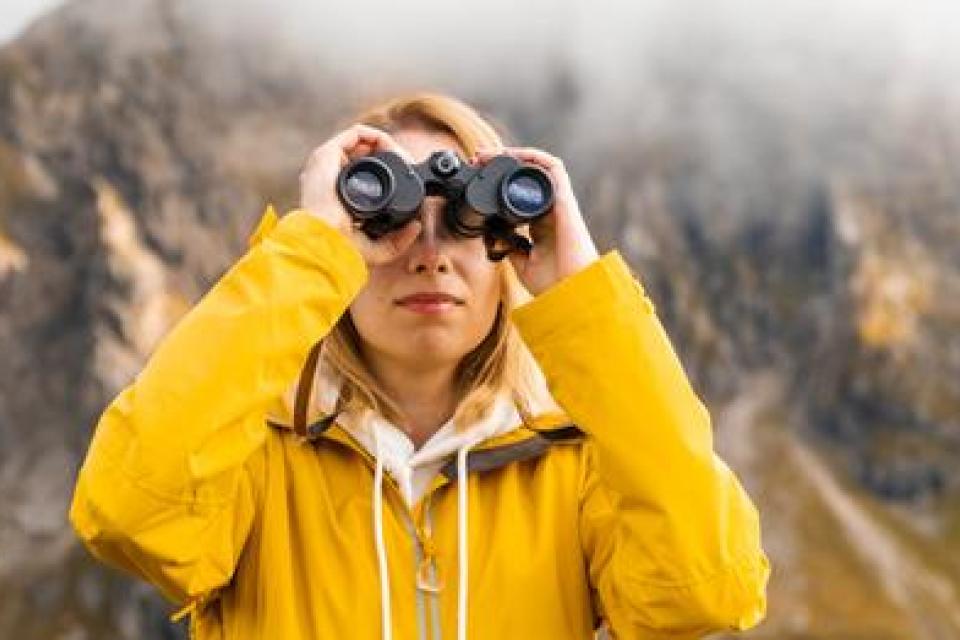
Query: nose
x=428, y=254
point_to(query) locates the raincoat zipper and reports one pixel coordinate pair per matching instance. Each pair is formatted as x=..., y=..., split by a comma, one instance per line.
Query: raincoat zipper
x=426, y=569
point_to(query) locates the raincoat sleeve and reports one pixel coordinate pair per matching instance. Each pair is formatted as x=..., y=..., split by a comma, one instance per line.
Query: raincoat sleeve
x=671, y=538
x=165, y=491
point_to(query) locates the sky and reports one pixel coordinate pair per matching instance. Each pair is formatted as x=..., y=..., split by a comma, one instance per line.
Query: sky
x=924, y=28
x=777, y=49
x=17, y=14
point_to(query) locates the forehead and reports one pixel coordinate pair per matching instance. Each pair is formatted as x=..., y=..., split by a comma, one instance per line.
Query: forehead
x=420, y=143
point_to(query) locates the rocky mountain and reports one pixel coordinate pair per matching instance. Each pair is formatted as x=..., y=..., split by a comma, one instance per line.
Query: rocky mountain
x=805, y=264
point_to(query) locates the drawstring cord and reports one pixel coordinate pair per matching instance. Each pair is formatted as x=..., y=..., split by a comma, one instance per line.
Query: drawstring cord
x=462, y=537
x=463, y=557
x=385, y=617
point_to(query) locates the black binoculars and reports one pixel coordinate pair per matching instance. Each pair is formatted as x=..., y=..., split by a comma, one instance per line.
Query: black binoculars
x=383, y=192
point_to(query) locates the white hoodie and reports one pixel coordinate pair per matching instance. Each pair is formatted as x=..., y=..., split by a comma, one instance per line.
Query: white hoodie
x=413, y=468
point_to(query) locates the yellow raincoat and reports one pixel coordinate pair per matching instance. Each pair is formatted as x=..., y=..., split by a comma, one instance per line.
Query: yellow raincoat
x=617, y=509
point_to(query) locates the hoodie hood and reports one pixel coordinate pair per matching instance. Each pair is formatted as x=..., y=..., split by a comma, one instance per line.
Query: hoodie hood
x=413, y=468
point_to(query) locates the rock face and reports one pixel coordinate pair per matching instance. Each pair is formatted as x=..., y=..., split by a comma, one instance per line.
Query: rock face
x=812, y=292
x=128, y=183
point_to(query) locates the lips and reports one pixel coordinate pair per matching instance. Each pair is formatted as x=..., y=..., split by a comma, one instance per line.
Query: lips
x=429, y=297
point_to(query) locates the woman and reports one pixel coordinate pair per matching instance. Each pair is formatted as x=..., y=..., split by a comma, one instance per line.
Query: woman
x=317, y=451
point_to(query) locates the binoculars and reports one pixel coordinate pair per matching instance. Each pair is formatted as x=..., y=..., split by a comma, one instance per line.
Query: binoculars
x=382, y=192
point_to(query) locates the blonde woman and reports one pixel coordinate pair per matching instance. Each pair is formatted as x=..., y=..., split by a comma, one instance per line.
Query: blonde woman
x=349, y=438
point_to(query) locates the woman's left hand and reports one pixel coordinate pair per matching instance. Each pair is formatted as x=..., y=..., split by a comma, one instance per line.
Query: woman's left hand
x=562, y=244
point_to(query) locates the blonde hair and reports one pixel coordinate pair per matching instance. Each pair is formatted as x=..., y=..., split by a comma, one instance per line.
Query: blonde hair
x=501, y=362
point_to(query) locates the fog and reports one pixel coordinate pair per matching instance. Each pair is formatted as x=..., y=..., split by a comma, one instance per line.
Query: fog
x=804, y=56
x=609, y=43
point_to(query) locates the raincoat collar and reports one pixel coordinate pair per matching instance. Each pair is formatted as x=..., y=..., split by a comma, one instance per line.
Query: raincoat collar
x=314, y=416
x=501, y=437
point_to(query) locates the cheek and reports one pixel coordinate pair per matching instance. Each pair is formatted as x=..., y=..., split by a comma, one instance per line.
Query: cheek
x=369, y=311
x=486, y=294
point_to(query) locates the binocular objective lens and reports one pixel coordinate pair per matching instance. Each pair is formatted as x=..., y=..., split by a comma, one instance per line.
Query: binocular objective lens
x=526, y=194
x=365, y=189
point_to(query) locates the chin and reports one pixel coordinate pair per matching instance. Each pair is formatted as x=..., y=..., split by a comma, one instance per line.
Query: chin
x=426, y=347
x=427, y=344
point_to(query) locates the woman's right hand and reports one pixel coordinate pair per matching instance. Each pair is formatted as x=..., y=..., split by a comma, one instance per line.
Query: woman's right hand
x=318, y=183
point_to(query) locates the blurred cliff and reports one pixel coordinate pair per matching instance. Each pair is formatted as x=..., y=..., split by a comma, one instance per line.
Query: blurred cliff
x=793, y=210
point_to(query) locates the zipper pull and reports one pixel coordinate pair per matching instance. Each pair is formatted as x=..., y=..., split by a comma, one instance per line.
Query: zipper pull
x=429, y=548
x=424, y=581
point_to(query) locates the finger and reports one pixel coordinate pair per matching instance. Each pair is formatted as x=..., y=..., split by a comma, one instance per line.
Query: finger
x=391, y=245
x=551, y=163
x=357, y=133
x=404, y=237
x=536, y=155
x=487, y=152
x=355, y=141
x=365, y=138
x=543, y=229
x=519, y=260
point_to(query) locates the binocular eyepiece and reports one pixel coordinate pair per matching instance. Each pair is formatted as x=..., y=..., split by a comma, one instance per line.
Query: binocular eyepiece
x=382, y=192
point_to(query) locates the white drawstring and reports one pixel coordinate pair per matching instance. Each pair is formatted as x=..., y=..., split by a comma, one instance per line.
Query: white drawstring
x=386, y=623
x=463, y=557
x=462, y=539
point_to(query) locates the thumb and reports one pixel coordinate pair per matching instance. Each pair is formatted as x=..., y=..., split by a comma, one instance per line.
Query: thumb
x=519, y=261
x=396, y=242
x=405, y=236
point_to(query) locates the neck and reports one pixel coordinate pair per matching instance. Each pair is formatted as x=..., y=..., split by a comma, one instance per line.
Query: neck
x=424, y=394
